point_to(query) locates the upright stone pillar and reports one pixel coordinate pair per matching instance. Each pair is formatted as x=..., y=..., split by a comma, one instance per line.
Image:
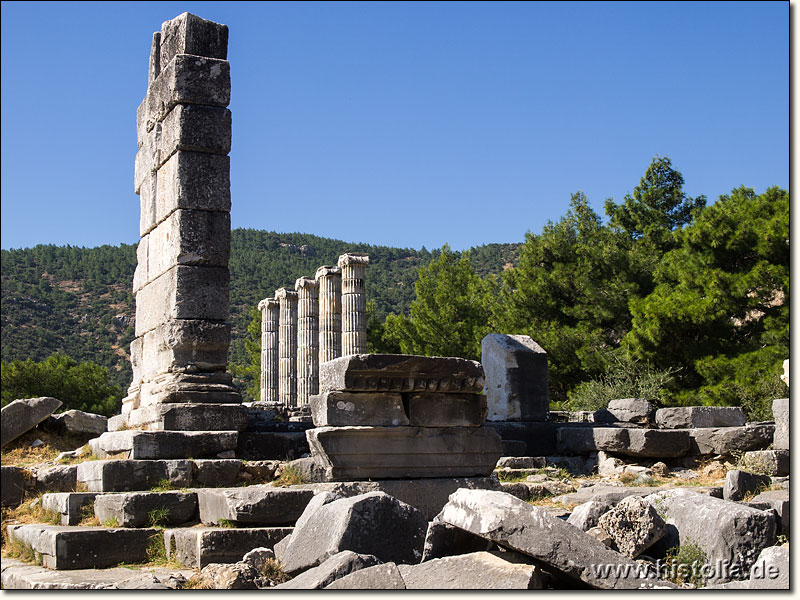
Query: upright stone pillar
x=330, y=312
x=287, y=346
x=354, y=303
x=270, y=315
x=181, y=283
x=307, y=339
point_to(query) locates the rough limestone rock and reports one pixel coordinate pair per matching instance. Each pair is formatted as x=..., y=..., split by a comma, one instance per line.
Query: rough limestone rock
x=335, y=567
x=61, y=478
x=773, y=462
x=516, y=378
x=529, y=530
x=385, y=576
x=777, y=500
x=373, y=523
x=730, y=440
x=12, y=485
x=236, y=576
x=21, y=416
x=724, y=530
x=583, y=440
x=76, y=422
x=195, y=547
x=634, y=525
x=70, y=505
x=785, y=376
x=252, y=505
x=691, y=417
x=739, y=484
x=612, y=494
x=443, y=539
x=139, y=509
x=609, y=466
x=656, y=444
x=626, y=410
x=475, y=571
x=771, y=569
x=586, y=515
x=780, y=411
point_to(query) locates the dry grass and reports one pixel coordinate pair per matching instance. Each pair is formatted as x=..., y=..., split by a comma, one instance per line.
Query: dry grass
x=19, y=452
x=290, y=475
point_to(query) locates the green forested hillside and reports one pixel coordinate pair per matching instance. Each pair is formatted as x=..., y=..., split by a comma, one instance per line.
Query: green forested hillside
x=78, y=301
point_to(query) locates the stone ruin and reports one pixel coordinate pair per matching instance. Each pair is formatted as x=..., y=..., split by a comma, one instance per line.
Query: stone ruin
x=401, y=450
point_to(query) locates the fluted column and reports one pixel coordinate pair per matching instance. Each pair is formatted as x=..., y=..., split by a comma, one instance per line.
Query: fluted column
x=270, y=316
x=307, y=339
x=354, y=303
x=287, y=346
x=330, y=312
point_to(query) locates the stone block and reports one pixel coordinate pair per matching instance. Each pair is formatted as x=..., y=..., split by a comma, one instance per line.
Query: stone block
x=334, y=568
x=373, y=523
x=70, y=505
x=195, y=128
x=777, y=500
x=183, y=292
x=190, y=388
x=350, y=453
x=634, y=525
x=446, y=410
x=739, y=484
x=400, y=373
x=216, y=472
x=475, y=571
x=522, y=462
x=443, y=539
x=253, y=505
x=691, y=417
x=188, y=79
x=610, y=494
x=584, y=440
x=771, y=462
x=189, y=237
x=585, y=516
x=60, y=478
x=385, y=576
x=190, y=34
x=341, y=409
x=730, y=440
x=147, y=445
x=771, y=570
x=76, y=422
x=84, y=547
x=539, y=438
x=516, y=378
x=725, y=531
x=627, y=410
x=780, y=411
x=12, y=485
x=272, y=445
x=195, y=547
x=134, y=475
x=533, y=532
x=653, y=443
x=189, y=417
x=140, y=509
x=20, y=416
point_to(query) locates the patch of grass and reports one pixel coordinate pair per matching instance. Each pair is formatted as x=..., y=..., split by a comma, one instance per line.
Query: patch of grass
x=754, y=464
x=272, y=570
x=158, y=516
x=627, y=478
x=164, y=485
x=507, y=477
x=157, y=553
x=16, y=548
x=290, y=475
x=226, y=523
x=111, y=522
x=88, y=518
x=20, y=454
x=685, y=564
x=197, y=582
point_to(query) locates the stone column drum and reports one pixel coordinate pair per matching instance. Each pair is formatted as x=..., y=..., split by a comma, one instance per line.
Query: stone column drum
x=354, y=303
x=330, y=312
x=270, y=314
x=181, y=283
x=287, y=346
x=307, y=339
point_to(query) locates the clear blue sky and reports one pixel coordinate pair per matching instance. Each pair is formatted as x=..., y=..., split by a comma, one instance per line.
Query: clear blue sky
x=404, y=124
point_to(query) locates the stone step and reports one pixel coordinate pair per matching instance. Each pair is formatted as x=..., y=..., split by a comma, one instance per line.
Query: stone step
x=253, y=505
x=143, y=509
x=69, y=547
x=128, y=475
x=195, y=547
x=72, y=506
x=272, y=445
x=150, y=445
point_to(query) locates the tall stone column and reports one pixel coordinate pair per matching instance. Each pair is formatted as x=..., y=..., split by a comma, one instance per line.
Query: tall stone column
x=270, y=315
x=354, y=303
x=287, y=346
x=330, y=312
x=181, y=283
x=307, y=339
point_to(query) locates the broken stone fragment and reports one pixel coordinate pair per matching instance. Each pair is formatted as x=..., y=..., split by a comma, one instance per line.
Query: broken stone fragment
x=634, y=525
x=22, y=415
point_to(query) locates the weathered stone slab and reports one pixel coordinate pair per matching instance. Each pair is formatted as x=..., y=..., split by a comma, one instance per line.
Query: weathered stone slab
x=12, y=485
x=739, y=532
x=252, y=505
x=134, y=475
x=730, y=440
x=777, y=500
x=140, y=509
x=428, y=495
x=22, y=415
x=739, y=484
x=443, y=539
x=195, y=128
x=195, y=547
x=771, y=569
x=183, y=292
x=60, y=478
x=84, y=547
x=188, y=417
x=613, y=494
x=446, y=410
x=772, y=462
x=335, y=567
x=342, y=409
x=190, y=34
x=528, y=529
x=360, y=524
x=272, y=445
x=475, y=571
x=692, y=417
x=400, y=373
x=583, y=440
x=76, y=422
x=70, y=505
x=627, y=410
x=516, y=378
x=216, y=472
x=189, y=388
x=586, y=515
x=146, y=445
x=350, y=453
x=656, y=444
x=780, y=411
x=385, y=576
